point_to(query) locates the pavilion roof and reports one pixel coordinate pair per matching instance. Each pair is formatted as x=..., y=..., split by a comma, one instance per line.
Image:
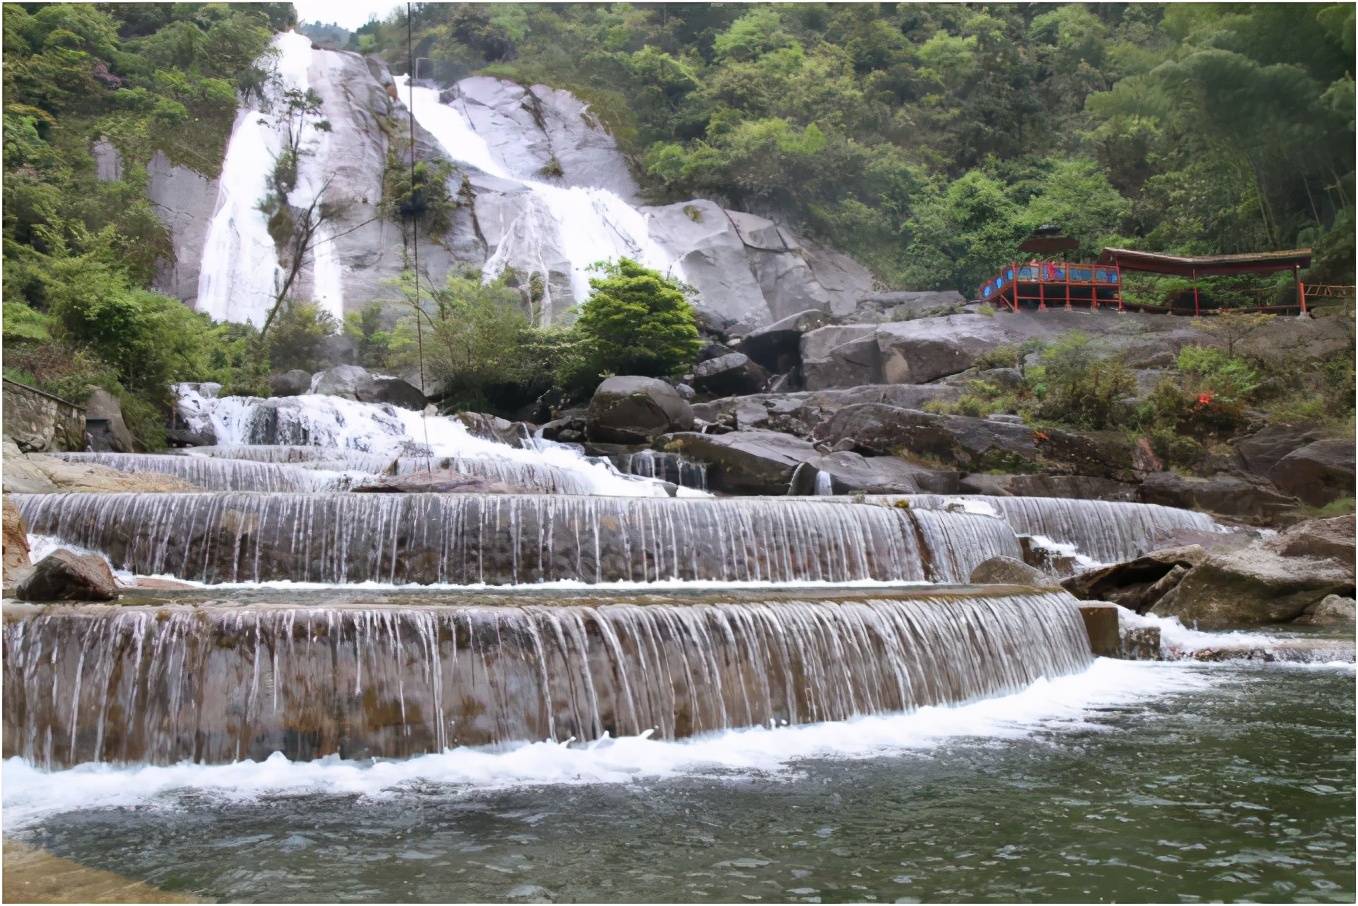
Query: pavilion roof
x=1206, y=265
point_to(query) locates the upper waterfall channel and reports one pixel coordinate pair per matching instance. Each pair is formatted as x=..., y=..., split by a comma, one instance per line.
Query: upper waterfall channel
x=590, y=224
x=240, y=274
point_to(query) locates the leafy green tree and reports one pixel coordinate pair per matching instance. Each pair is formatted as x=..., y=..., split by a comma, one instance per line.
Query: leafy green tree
x=635, y=321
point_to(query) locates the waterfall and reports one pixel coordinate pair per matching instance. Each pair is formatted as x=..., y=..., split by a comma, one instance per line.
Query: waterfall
x=240, y=273
x=502, y=539
x=217, y=474
x=1106, y=531
x=381, y=430
x=218, y=683
x=584, y=224
x=672, y=467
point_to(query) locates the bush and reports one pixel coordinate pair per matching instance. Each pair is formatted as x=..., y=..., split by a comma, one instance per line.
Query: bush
x=297, y=338
x=1216, y=371
x=368, y=331
x=634, y=322
x=1077, y=386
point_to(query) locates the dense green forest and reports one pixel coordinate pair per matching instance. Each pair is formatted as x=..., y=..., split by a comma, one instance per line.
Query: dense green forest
x=924, y=139
x=927, y=139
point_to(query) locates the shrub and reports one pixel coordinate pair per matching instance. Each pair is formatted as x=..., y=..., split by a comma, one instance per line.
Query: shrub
x=634, y=322
x=297, y=338
x=371, y=337
x=1076, y=385
x=1216, y=371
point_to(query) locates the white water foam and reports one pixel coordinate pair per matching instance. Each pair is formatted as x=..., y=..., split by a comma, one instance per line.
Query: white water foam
x=373, y=428
x=586, y=224
x=1179, y=642
x=1065, y=703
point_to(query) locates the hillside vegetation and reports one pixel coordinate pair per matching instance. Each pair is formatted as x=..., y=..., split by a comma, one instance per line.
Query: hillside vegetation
x=927, y=139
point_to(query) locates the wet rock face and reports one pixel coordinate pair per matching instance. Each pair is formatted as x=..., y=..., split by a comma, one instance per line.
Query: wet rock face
x=745, y=462
x=66, y=576
x=629, y=409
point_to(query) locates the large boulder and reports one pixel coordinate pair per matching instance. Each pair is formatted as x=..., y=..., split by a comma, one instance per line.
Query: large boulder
x=104, y=423
x=976, y=444
x=729, y=375
x=290, y=383
x=394, y=391
x=1252, y=586
x=849, y=472
x=345, y=381
x=1260, y=452
x=1318, y=473
x=66, y=576
x=633, y=410
x=1326, y=538
x=798, y=413
x=744, y=462
x=21, y=474
x=87, y=476
x=1235, y=496
x=15, y=543
x=778, y=347
x=1007, y=571
x=351, y=382
x=841, y=356
x=1333, y=610
x=1139, y=583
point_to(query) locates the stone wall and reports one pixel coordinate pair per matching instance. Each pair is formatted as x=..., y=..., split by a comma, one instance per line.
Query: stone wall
x=40, y=422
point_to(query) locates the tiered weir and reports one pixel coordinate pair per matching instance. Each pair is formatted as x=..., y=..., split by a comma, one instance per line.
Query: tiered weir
x=1107, y=531
x=504, y=539
x=162, y=684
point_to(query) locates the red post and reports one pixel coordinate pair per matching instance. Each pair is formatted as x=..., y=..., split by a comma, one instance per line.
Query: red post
x=1066, y=266
x=1041, y=292
x=1301, y=289
x=1117, y=285
x=1196, y=304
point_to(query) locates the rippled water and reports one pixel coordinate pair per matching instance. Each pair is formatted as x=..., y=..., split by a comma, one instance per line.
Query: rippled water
x=1220, y=782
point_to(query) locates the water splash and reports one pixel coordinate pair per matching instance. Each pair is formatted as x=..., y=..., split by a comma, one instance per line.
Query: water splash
x=380, y=430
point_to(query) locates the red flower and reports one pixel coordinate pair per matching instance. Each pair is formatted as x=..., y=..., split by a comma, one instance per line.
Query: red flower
x=1204, y=399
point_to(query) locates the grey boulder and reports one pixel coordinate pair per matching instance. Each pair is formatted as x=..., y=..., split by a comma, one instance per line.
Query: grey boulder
x=66, y=576
x=630, y=410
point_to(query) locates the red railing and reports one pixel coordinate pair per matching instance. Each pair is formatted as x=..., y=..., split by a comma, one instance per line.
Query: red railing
x=1054, y=283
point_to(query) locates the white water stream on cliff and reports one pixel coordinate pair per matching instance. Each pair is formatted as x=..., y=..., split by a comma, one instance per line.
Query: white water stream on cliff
x=587, y=224
x=240, y=273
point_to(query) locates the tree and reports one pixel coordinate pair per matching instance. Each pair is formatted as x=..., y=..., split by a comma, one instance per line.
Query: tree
x=635, y=321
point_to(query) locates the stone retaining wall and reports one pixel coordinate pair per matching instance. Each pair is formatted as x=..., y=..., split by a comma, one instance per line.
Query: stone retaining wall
x=41, y=422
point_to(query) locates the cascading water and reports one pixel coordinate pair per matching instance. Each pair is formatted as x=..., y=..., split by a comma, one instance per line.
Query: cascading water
x=217, y=684
x=383, y=430
x=1106, y=531
x=587, y=224
x=240, y=275
x=216, y=474
x=671, y=467
x=502, y=539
